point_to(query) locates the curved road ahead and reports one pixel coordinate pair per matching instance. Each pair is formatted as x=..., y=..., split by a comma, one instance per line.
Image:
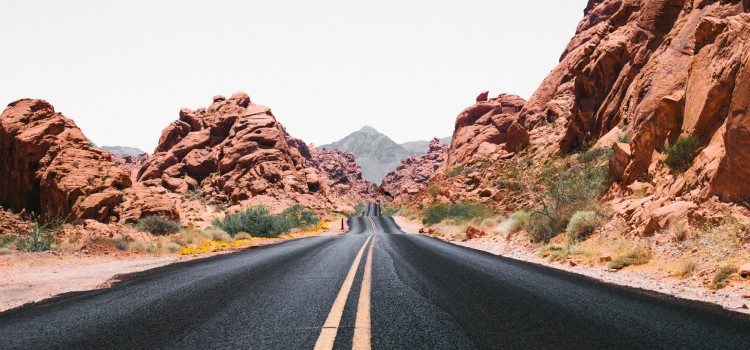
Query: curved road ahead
x=373, y=286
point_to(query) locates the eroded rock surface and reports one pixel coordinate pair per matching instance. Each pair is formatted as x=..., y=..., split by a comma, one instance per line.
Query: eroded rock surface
x=413, y=174
x=232, y=151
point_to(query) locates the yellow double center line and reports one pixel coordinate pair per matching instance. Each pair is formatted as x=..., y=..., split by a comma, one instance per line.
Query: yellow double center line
x=362, y=326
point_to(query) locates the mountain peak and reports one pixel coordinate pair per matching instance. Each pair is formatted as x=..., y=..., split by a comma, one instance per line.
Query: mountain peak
x=369, y=130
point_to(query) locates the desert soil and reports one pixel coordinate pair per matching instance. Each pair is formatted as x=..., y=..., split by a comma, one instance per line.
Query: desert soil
x=31, y=277
x=643, y=277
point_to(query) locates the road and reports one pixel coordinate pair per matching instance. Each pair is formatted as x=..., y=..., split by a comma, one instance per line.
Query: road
x=371, y=287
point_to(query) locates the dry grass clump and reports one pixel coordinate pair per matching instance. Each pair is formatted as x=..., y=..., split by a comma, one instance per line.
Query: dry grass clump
x=582, y=224
x=5, y=251
x=721, y=279
x=242, y=235
x=139, y=247
x=685, y=269
x=637, y=256
x=217, y=234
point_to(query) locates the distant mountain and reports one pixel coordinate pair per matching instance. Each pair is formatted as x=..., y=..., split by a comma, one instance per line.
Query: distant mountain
x=375, y=152
x=421, y=147
x=129, y=151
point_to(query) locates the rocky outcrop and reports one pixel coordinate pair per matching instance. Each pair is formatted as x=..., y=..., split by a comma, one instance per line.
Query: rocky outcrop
x=661, y=69
x=492, y=122
x=232, y=151
x=50, y=168
x=130, y=163
x=341, y=175
x=413, y=174
x=636, y=77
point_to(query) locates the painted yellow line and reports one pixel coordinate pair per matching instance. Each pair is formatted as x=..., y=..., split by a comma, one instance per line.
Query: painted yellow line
x=362, y=327
x=372, y=222
x=331, y=326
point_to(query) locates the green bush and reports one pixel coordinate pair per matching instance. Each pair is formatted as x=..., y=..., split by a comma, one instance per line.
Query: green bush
x=624, y=137
x=681, y=153
x=259, y=222
x=637, y=256
x=574, y=190
x=37, y=238
x=454, y=171
x=721, y=279
x=581, y=225
x=158, y=225
x=460, y=212
x=359, y=209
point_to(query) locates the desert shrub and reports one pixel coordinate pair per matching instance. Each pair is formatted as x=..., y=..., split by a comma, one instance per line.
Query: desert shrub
x=139, y=246
x=242, y=235
x=681, y=153
x=217, y=234
x=259, y=222
x=555, y=252
x=37, y=238
x=637, y=256
x=454, y=171
x=685, y=269
x=359, y=209
x=158, y=225
x=5, y=251
x=460, y=212
x=624, y=138
x=574, y=190
x=433, y=190
x=581, y=225
x=192, y=235
x=171, y=247
x=721, y=279
x=516, y=222
x=592, y=155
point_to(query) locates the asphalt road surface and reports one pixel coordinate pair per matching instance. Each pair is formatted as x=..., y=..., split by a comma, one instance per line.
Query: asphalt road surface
x=371, y=287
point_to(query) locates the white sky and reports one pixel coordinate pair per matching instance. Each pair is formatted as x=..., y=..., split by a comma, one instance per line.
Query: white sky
x=123, y=69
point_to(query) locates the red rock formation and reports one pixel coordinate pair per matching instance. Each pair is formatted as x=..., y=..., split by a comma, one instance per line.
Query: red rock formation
x=413, y=174
x=493, y=122
x=652, y=71
x=341, y=175
x=49, y=167
x=131, y=164
x=232, y=151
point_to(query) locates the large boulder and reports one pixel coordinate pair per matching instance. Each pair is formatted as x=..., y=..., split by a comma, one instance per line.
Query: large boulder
x=47, y=166
x=493, y=121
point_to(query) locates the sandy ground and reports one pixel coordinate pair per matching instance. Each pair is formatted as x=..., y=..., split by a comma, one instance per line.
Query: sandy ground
x=643, y=277
x=32, y=277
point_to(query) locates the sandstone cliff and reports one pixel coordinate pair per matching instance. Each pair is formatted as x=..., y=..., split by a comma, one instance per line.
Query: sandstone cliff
x=636, y=77
x=342, y=176
x=50, y=168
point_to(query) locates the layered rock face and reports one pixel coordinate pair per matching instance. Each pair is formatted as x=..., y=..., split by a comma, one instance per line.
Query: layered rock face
x=413, y=174
x=341, y=175
x=645, y=72
x=488, y=124
x=233, y=150
x=662, y=69
x=50, y=168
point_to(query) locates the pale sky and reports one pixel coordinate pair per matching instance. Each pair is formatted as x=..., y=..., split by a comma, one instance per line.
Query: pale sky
x=123, y=69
